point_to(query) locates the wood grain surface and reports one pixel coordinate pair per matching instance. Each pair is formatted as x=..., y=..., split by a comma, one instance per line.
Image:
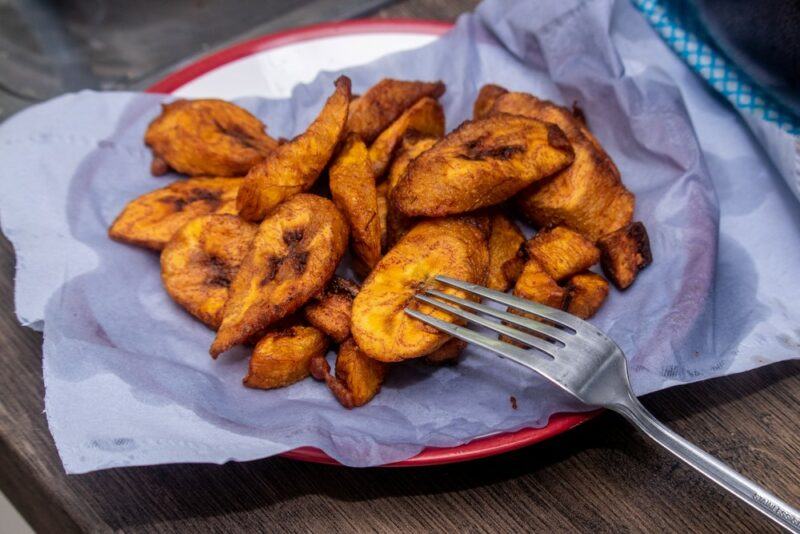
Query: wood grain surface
x=600, y=477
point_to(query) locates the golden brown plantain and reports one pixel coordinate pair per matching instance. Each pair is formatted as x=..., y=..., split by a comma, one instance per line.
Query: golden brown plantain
x=447, y=354
x=624, y=253
x=153, y=218
x=200, y=261
x=358, y=377
x=562, y=252
x=383, y=213
x=412, y=146
x=376, y=109
x=455, y=247
x=294, y=166
x=396, y=222
x=481, y=163
x=207, y=137
x=505, y=260
x=587, y=196
x=283, y=357
x=586, y=293
x=535, y=284
x=352, y=184
x=485, y=100
x=330, y=311
x=426, y=117
x=292, y=257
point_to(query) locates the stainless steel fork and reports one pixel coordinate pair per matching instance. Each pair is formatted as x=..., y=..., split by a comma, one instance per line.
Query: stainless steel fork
x=585, y=362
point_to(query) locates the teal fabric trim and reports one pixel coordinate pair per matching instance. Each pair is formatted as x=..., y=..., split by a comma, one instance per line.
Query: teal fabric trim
x=676, y=22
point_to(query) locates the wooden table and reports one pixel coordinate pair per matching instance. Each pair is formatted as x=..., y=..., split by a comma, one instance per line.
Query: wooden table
x=600, y=477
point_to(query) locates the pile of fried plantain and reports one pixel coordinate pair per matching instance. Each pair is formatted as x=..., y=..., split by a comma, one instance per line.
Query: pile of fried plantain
x=249, y=252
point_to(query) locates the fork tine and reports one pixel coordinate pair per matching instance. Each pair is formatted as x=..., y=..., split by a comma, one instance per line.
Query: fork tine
x=545, y=312
x=536, y=362
x=538, y=343
x=517, y=320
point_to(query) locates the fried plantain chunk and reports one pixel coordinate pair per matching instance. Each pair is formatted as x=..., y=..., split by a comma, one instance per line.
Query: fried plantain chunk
x=587, y=196
x=481, y=163
x=376, y=109
x=624, y=253
x=383, y=212
x=283, y=357
x=535, y=284
x=294, y=166
x=358, y=377
x=455, y=247
x=353, y=190
x=562, y=252
x=292, y=257
x=426, y=117
x=447, y=354
x=207, y=137
x=330, y=311
x=487, y=96
x=152, y=219
x=201, y=259
x=586, y=293
x=505, y=260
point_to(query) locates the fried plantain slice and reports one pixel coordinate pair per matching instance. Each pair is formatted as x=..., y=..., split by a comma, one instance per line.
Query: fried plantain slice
x=292, y=257
x=481, y=163
x=330, y=311
x=535, y=284
x=562, y=252
x=505, y=261
x=426, y=117
x=396, y=222
x=152, y=219
x=447, y=354
x=485, y=100
x=201, y=259
x=586, y=293
x=358, y=377
x=624, y=253
x=353, y=190
x=376, y=109
x=294, y=166
x=283, y=357
x=587, y=196
x=207, y=137
x=383, y=212
x=455, y=247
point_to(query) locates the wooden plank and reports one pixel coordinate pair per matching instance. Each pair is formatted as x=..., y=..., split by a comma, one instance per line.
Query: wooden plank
x=600, y=477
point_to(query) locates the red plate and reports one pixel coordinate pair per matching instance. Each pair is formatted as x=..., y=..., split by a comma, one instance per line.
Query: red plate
x=478, y=448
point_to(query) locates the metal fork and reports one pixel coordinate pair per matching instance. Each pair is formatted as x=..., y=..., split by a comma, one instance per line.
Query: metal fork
x=585, y=362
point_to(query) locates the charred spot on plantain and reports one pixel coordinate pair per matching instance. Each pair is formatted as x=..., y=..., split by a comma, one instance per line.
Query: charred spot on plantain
x=475, y=150
x=236, y=132
x=299, y=261
x=221, y=273
x=558, y=140
x=195, y=195
x=273, y=265
x=292, y=237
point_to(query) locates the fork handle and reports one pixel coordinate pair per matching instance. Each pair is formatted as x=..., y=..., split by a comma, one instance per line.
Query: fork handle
x=748, y=491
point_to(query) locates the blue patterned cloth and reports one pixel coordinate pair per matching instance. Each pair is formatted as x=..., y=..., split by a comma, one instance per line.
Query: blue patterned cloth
x=677, y=23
